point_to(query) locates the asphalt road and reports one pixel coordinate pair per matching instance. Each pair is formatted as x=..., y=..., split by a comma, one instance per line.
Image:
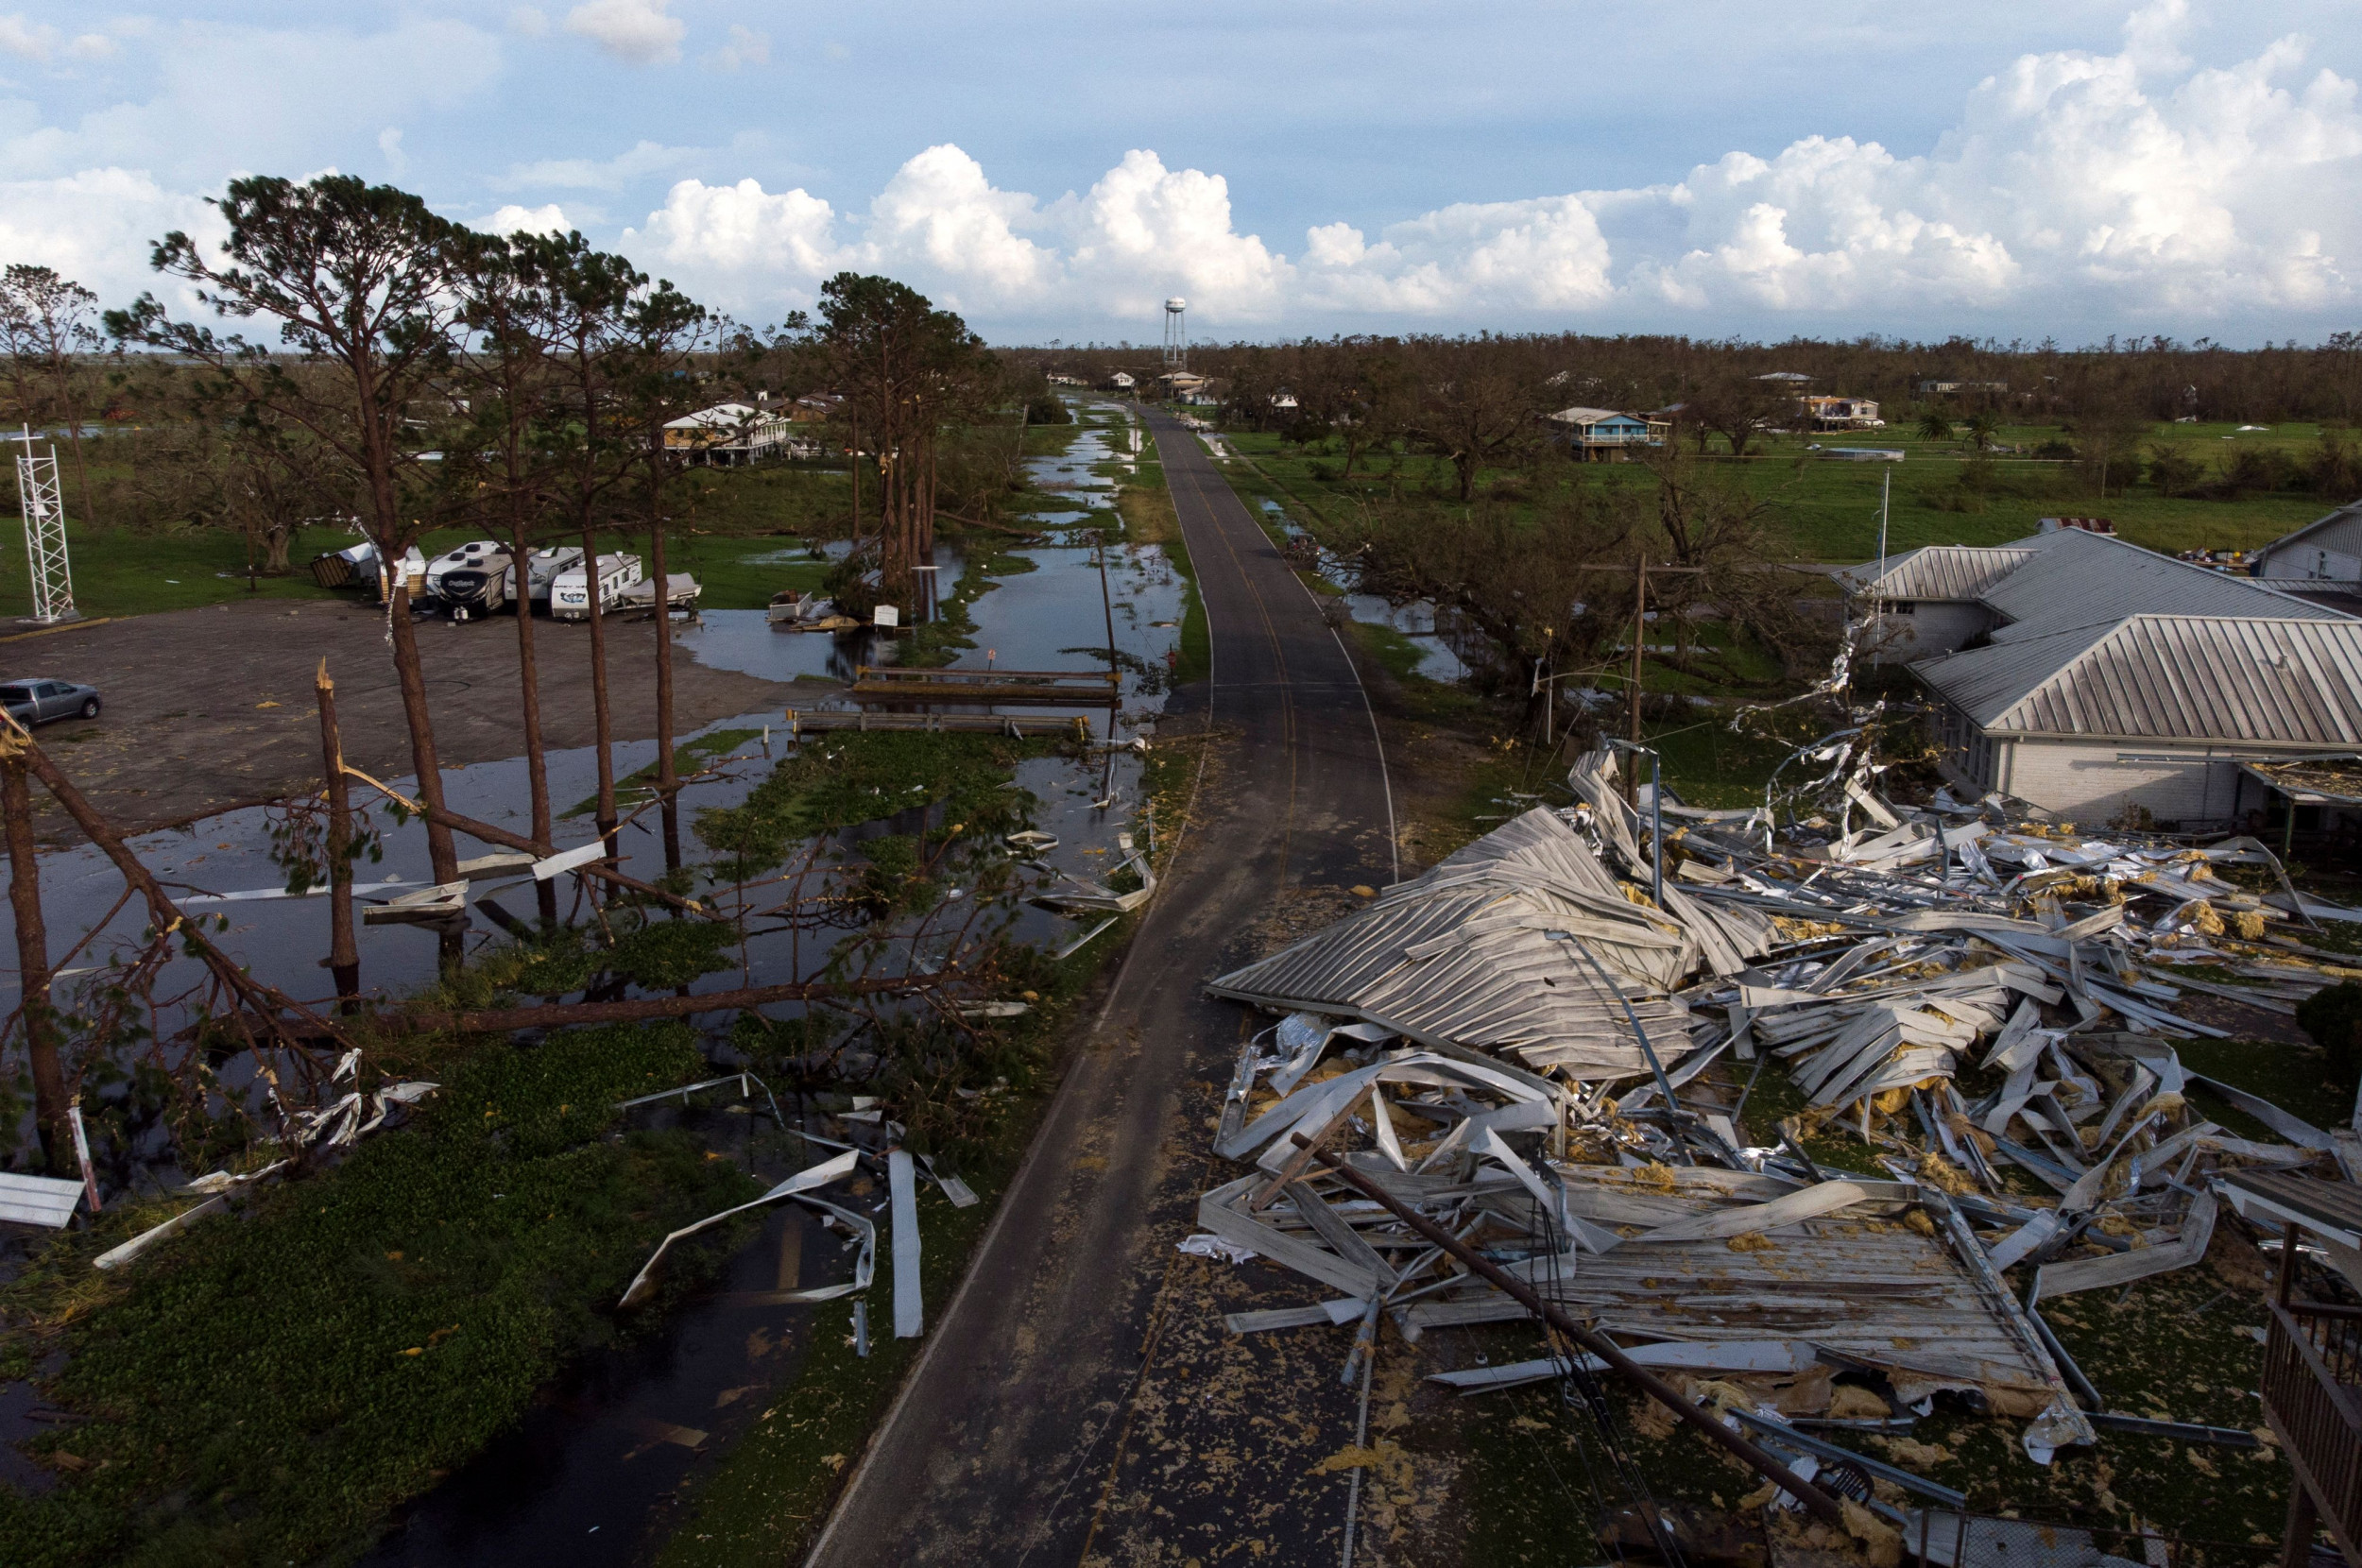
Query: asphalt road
x=1080, y=1400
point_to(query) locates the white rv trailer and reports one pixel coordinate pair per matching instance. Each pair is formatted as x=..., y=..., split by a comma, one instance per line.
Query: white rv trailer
x=542, y=569
x=471, y=579
x=569, y=594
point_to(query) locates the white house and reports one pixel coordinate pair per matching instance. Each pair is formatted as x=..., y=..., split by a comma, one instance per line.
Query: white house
x=729, y=433
x=2093, y=679
x=1828, y=413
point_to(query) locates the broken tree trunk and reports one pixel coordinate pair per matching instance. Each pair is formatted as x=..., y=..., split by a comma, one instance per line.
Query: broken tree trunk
x=606, y=737
x=32, y=961
x=667, y=776
x=344, y=957
x=529, y=697
x=268, y=1002
x=425, y=761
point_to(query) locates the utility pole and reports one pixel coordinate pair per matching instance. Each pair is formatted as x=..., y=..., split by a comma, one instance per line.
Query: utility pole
x=1639, y=621
x=32, y=956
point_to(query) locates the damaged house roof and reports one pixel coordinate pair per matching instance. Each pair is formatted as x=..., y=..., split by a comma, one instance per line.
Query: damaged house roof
x=1487, y=949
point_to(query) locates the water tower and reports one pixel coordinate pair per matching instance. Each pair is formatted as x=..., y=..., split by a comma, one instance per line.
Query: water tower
x=1176, y=333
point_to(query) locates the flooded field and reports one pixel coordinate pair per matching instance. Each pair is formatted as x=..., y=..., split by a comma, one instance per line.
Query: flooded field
x=594, y=1469
x=1416, y=621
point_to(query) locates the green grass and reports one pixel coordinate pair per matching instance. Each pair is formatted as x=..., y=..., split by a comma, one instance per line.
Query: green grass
x=770, y=498
x=1706, y=765
x=266, y=1389
x=117, y=572
x=744, y=574
x=1196, y=663
x=1829, y=510
x=839, y=779
x=687, y=758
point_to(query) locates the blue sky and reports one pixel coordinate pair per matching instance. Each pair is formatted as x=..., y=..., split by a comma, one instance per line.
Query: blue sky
x=2063, y=168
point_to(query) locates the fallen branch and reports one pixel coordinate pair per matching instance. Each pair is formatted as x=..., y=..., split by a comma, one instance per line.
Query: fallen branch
x=996, y=527
x=266, y=1001
x=508, y=840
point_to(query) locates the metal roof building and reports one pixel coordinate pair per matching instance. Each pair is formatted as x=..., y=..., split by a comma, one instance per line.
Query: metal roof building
x=2328, y=550
x=2076, y=579
x=2292, y=685
x=2092, y=678
x=1956, y=572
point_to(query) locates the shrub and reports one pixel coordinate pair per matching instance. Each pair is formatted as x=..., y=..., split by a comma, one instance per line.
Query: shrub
x=2174, y=472
x=2333, y=1016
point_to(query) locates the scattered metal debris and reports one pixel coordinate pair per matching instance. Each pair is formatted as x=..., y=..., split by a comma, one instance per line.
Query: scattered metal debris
x=1511, y=1053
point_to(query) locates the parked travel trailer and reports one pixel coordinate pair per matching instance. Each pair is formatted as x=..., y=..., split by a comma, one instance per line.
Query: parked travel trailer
x=471, y=580
x=569, y=594
x=542, y=569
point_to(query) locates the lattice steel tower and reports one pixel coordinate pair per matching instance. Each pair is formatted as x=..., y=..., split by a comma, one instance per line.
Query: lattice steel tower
x=43, y=506
x=1176, y=333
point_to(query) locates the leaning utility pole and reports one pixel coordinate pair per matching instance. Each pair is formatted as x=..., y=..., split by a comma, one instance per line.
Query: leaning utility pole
x=1639, y=624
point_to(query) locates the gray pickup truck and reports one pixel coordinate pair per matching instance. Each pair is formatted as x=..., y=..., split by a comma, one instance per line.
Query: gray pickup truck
x=30, y=702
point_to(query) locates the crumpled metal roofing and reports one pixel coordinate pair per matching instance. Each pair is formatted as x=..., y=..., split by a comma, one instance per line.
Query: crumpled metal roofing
x=2079, y=579
x=1957, y=572
x=1480, y=951
x=2293, y=682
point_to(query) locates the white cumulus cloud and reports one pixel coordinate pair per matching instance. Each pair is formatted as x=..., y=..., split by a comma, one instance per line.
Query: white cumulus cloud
x=513, y=219
x=98, y=228
x=745, y=47
x=638, y=32
x=743, y=244
x=2138, y=187
x=2074, y=186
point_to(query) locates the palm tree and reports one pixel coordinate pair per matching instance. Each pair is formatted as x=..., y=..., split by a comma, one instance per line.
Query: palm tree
x=1933, y=426
x=1982, y=428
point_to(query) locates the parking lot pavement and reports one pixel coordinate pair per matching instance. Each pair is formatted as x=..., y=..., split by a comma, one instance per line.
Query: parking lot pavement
x=210, y=708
